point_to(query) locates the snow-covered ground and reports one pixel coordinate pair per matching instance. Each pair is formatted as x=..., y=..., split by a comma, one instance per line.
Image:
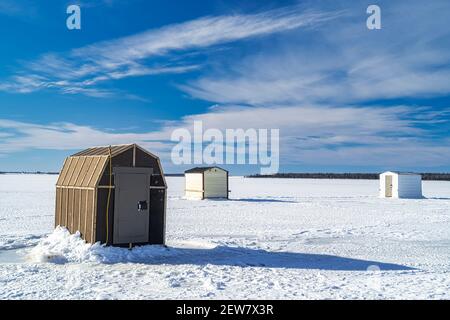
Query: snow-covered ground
x=276, y=238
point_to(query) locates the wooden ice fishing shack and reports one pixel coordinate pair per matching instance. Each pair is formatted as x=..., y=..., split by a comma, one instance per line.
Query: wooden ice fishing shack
x=115, y=195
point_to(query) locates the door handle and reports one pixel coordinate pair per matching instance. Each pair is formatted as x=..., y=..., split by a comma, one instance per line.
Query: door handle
x=142, y=205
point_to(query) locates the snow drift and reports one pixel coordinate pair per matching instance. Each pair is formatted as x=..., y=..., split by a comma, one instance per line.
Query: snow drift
x=61, y=247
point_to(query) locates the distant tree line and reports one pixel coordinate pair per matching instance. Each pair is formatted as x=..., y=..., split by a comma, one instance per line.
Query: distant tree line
x=365, y=176
x=27, y=172
x=362, y=176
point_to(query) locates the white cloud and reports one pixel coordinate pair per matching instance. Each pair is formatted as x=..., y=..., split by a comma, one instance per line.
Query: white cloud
x=312, y=87
x=9, y=7
x=79, y=70
x=24, y=9
x=20, y=136
x=310, y=135
x=343, y=62
x=328, y=136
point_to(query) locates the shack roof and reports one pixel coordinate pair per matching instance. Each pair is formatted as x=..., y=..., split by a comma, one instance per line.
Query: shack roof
x=202, y=169
x=85, y=168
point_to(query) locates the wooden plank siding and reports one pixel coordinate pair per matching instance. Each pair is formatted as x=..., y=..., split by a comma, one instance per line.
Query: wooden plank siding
x=64, y=207
x=83, y=210
x=58, y=207
x=82, y=188
x=63, y=172
x=89, y=216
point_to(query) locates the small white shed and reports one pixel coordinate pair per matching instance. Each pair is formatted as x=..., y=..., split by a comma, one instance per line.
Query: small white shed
x=206, y=182
x=400, y=185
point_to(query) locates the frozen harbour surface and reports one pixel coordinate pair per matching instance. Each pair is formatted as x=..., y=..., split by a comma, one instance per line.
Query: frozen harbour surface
x=275, y=239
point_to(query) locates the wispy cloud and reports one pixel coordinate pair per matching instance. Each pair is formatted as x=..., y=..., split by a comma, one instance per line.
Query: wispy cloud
x=311, y=135
x=83, y=69
x=9, y=7
x=25, y=8
x=343, y=62
x=323, y=87
x=97, y=3
x=65, y=136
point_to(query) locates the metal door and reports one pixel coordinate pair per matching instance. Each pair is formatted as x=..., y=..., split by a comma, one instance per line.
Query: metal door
x=131, y=205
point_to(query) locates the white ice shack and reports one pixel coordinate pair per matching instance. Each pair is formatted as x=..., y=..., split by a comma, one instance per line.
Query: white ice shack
x=400, y=185
x=206, y=182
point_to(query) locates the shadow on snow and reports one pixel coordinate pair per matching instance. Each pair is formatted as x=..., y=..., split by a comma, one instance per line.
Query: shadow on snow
x=264, y=200
x=243, y=257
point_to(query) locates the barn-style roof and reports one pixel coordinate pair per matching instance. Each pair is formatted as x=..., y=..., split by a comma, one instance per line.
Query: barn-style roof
x=202, y=169
x=82, y=171
x=115, y=150
x=85, y=168
x=104, y=151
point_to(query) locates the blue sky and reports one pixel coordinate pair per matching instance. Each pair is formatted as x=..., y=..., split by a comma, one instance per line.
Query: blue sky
x=344, y=98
